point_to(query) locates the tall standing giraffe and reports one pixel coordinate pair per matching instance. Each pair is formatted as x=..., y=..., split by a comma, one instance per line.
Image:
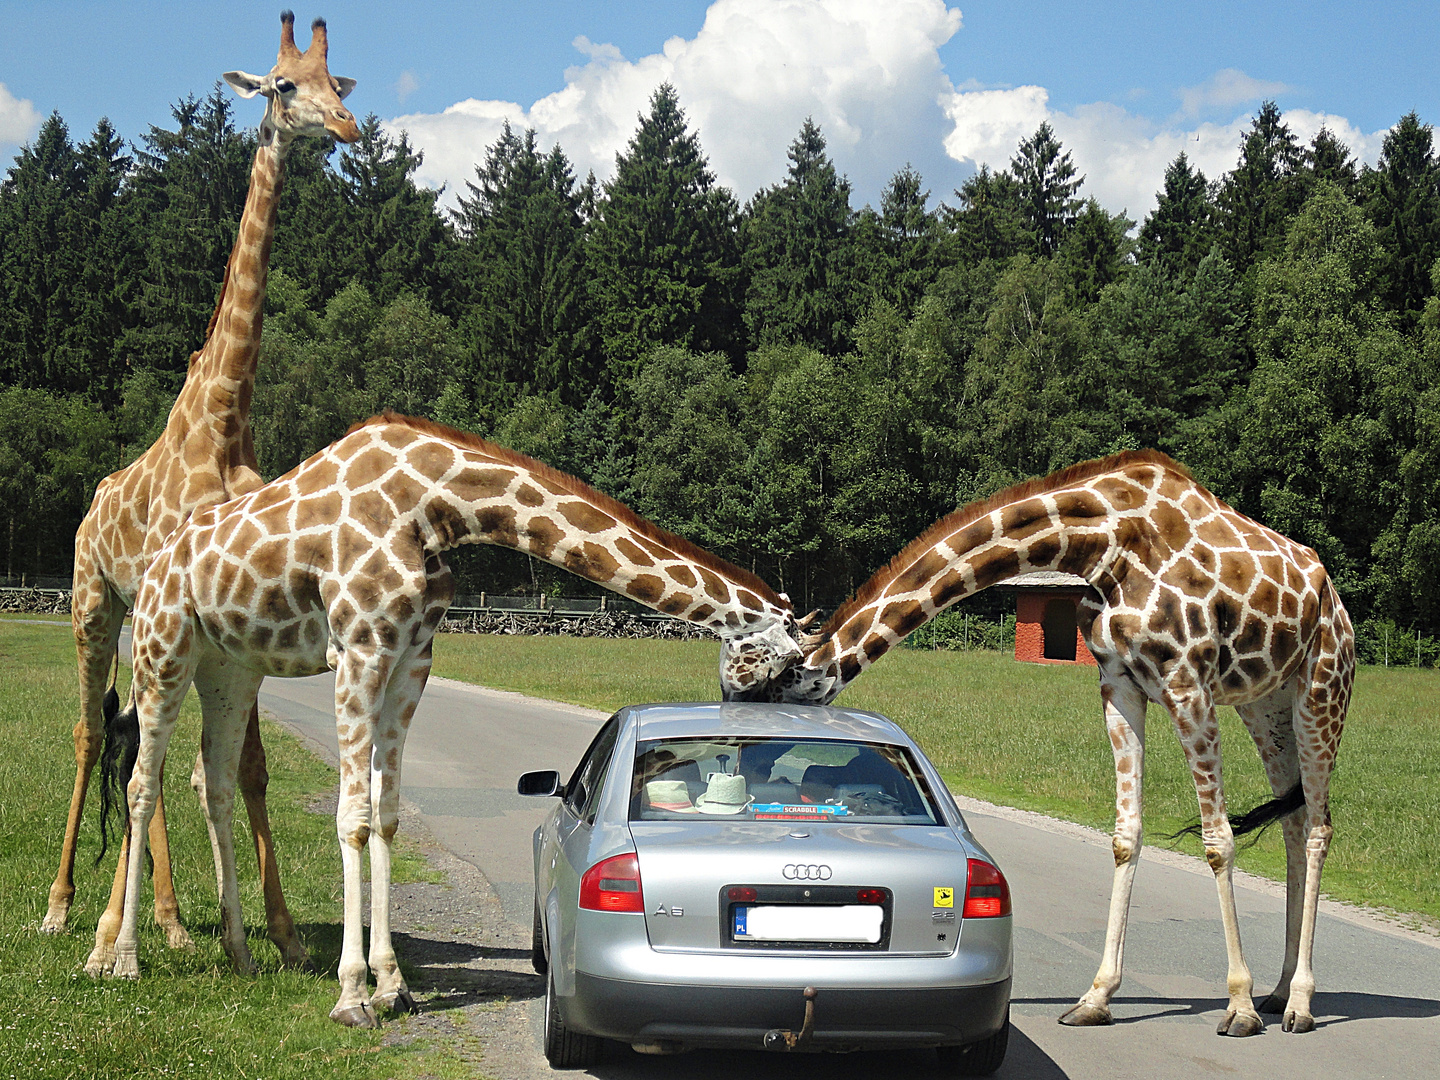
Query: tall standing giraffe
x=1193, y=605
x=206, y=455
x=338, y=565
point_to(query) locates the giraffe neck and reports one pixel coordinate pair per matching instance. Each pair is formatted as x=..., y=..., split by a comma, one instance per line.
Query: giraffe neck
x=222, y=374
x=1076, y=529
x=483, y=494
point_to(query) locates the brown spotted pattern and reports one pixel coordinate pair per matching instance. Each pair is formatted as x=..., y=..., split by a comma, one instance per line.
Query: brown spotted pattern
x=1192, y=606
x=338, y=565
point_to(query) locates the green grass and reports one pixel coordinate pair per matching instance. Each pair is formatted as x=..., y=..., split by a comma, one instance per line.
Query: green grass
x=1032, y=736
x=188, y=1015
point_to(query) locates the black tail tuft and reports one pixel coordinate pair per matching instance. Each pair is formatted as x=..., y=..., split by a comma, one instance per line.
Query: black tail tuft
x=1257, y=820
x=117, y=762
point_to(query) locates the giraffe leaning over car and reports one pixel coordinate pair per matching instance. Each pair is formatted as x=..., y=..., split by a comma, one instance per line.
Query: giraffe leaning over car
x=205, y=455
x=338, y=565
x=1192, y=605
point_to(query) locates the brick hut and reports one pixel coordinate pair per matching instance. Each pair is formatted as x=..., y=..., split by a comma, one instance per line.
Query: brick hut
x=1046, y=631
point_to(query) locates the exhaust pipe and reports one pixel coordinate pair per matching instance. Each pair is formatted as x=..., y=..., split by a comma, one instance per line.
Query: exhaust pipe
x=783, y=1041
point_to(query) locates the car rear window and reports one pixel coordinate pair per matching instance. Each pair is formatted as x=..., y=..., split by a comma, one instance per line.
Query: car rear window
x=810, y=780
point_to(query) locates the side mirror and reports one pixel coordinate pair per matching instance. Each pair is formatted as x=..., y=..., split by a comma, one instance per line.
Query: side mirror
x=546, y=783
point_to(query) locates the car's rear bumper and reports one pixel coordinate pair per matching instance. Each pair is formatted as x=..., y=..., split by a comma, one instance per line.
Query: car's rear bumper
x=739, y=1016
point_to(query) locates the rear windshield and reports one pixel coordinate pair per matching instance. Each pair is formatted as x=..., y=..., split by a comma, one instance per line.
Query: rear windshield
x=818, y=780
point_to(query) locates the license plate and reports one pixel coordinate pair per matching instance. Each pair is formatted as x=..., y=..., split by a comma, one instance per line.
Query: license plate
x=849, y=923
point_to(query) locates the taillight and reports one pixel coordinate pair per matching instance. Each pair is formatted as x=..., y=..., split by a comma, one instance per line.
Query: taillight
x=613, y=884
x=743, y=894
x=986, y=892
x=870, y=896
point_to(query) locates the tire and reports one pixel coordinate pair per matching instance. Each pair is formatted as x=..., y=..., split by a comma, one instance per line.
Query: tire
x=537, y=945
x=565, y=1049
x=978, y=1058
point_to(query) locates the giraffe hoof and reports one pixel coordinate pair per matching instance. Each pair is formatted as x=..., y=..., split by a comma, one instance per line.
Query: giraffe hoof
x=296, y=958
x=396, y=1002
x=99, y=963
x=356, y=1016
x=177, y=937
x=127, y=965
x=1240, y=1025
x=1275, y=1003
x=1297, y=1023
x=1087, y=1015
x=55, y=921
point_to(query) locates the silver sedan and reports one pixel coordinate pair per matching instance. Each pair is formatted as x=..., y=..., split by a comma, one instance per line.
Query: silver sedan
x=779, y=876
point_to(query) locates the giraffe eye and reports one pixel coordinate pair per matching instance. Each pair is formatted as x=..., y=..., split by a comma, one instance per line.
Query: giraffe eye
x=284, y=86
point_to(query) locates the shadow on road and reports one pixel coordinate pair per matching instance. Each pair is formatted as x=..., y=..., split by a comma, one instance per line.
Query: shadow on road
x=1328, y=1008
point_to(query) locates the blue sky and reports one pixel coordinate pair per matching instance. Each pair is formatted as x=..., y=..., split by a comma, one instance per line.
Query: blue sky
x=944, y=87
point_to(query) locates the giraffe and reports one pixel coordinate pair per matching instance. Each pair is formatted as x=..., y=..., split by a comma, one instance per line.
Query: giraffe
x=338, y=565
x=1192, y=606
x=205, y=455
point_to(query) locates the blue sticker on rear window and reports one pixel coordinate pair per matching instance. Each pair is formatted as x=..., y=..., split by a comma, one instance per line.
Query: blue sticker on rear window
x=801, y=809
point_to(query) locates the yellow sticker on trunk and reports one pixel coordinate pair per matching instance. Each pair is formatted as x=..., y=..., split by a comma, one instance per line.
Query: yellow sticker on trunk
x=945, y=898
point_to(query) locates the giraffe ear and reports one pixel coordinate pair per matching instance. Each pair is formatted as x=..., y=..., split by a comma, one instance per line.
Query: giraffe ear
x=343, y=86
x=243, y=83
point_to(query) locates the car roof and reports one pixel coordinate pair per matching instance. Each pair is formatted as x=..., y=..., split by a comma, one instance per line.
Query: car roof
x=702, y=719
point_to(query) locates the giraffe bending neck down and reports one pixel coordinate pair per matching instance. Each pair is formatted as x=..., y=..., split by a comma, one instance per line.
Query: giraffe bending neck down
x=206, y=455
x=337, y=565
x=1192, y=606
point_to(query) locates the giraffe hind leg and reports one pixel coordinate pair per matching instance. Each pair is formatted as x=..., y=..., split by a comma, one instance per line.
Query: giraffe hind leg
x=1270, y=721
x=96, y=616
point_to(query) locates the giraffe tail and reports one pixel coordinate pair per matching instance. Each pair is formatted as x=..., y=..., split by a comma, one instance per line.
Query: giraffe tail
x=117, y=762
x=1256, y=820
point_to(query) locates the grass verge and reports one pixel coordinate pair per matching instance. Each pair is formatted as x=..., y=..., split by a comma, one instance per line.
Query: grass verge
x=1032, y=736
x=189, y=1015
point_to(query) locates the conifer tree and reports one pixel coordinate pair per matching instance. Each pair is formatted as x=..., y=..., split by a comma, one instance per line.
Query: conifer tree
x=1266, y=188
x=1403, y=200
x=795, y=254
x=526, y=309
x=664, y=250
x=1180, y=230
x=1047, y=185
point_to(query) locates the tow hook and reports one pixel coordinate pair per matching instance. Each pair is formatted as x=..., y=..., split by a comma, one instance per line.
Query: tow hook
x=785, y=1041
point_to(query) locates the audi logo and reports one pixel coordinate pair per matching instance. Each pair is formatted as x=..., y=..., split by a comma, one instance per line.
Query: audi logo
x=807, y=872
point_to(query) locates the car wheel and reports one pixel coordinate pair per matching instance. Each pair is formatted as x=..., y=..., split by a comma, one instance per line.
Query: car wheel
x=565, y=1049
x=537, y=945
x=978, y=1058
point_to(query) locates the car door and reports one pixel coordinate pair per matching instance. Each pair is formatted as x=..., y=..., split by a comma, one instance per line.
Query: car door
x=574, y=824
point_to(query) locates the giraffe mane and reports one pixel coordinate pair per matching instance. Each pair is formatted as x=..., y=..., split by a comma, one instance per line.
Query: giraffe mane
x=958, y=519
x=618, y=510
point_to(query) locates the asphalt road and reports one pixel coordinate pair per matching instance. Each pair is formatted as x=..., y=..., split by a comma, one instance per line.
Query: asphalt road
x=1378, y=1003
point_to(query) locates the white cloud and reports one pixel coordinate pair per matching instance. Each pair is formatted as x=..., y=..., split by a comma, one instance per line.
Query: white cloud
x=1122, y=156
x=18, y=118
x=406, y=85
x=1226, y=89
x=869, y=74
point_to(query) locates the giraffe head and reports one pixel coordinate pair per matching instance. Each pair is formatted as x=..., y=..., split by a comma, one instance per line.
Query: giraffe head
x=303, y=97
x=751, y=661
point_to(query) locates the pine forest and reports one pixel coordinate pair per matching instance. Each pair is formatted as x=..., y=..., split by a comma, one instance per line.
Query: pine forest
x=796, y=383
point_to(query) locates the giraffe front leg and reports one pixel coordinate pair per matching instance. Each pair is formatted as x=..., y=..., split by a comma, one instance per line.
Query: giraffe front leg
x=402, y=695
x=167, y=908
x=253, y=782
x=101, y=960
x=1298, y=1018
x=1125, y=722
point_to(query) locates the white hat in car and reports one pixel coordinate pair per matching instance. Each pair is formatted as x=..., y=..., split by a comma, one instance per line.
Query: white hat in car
x=668, y=795
x=725, y=794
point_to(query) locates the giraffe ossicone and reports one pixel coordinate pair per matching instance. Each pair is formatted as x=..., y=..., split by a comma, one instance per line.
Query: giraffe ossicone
x=338, y=565
x=205, y=456
x=1192, y=606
